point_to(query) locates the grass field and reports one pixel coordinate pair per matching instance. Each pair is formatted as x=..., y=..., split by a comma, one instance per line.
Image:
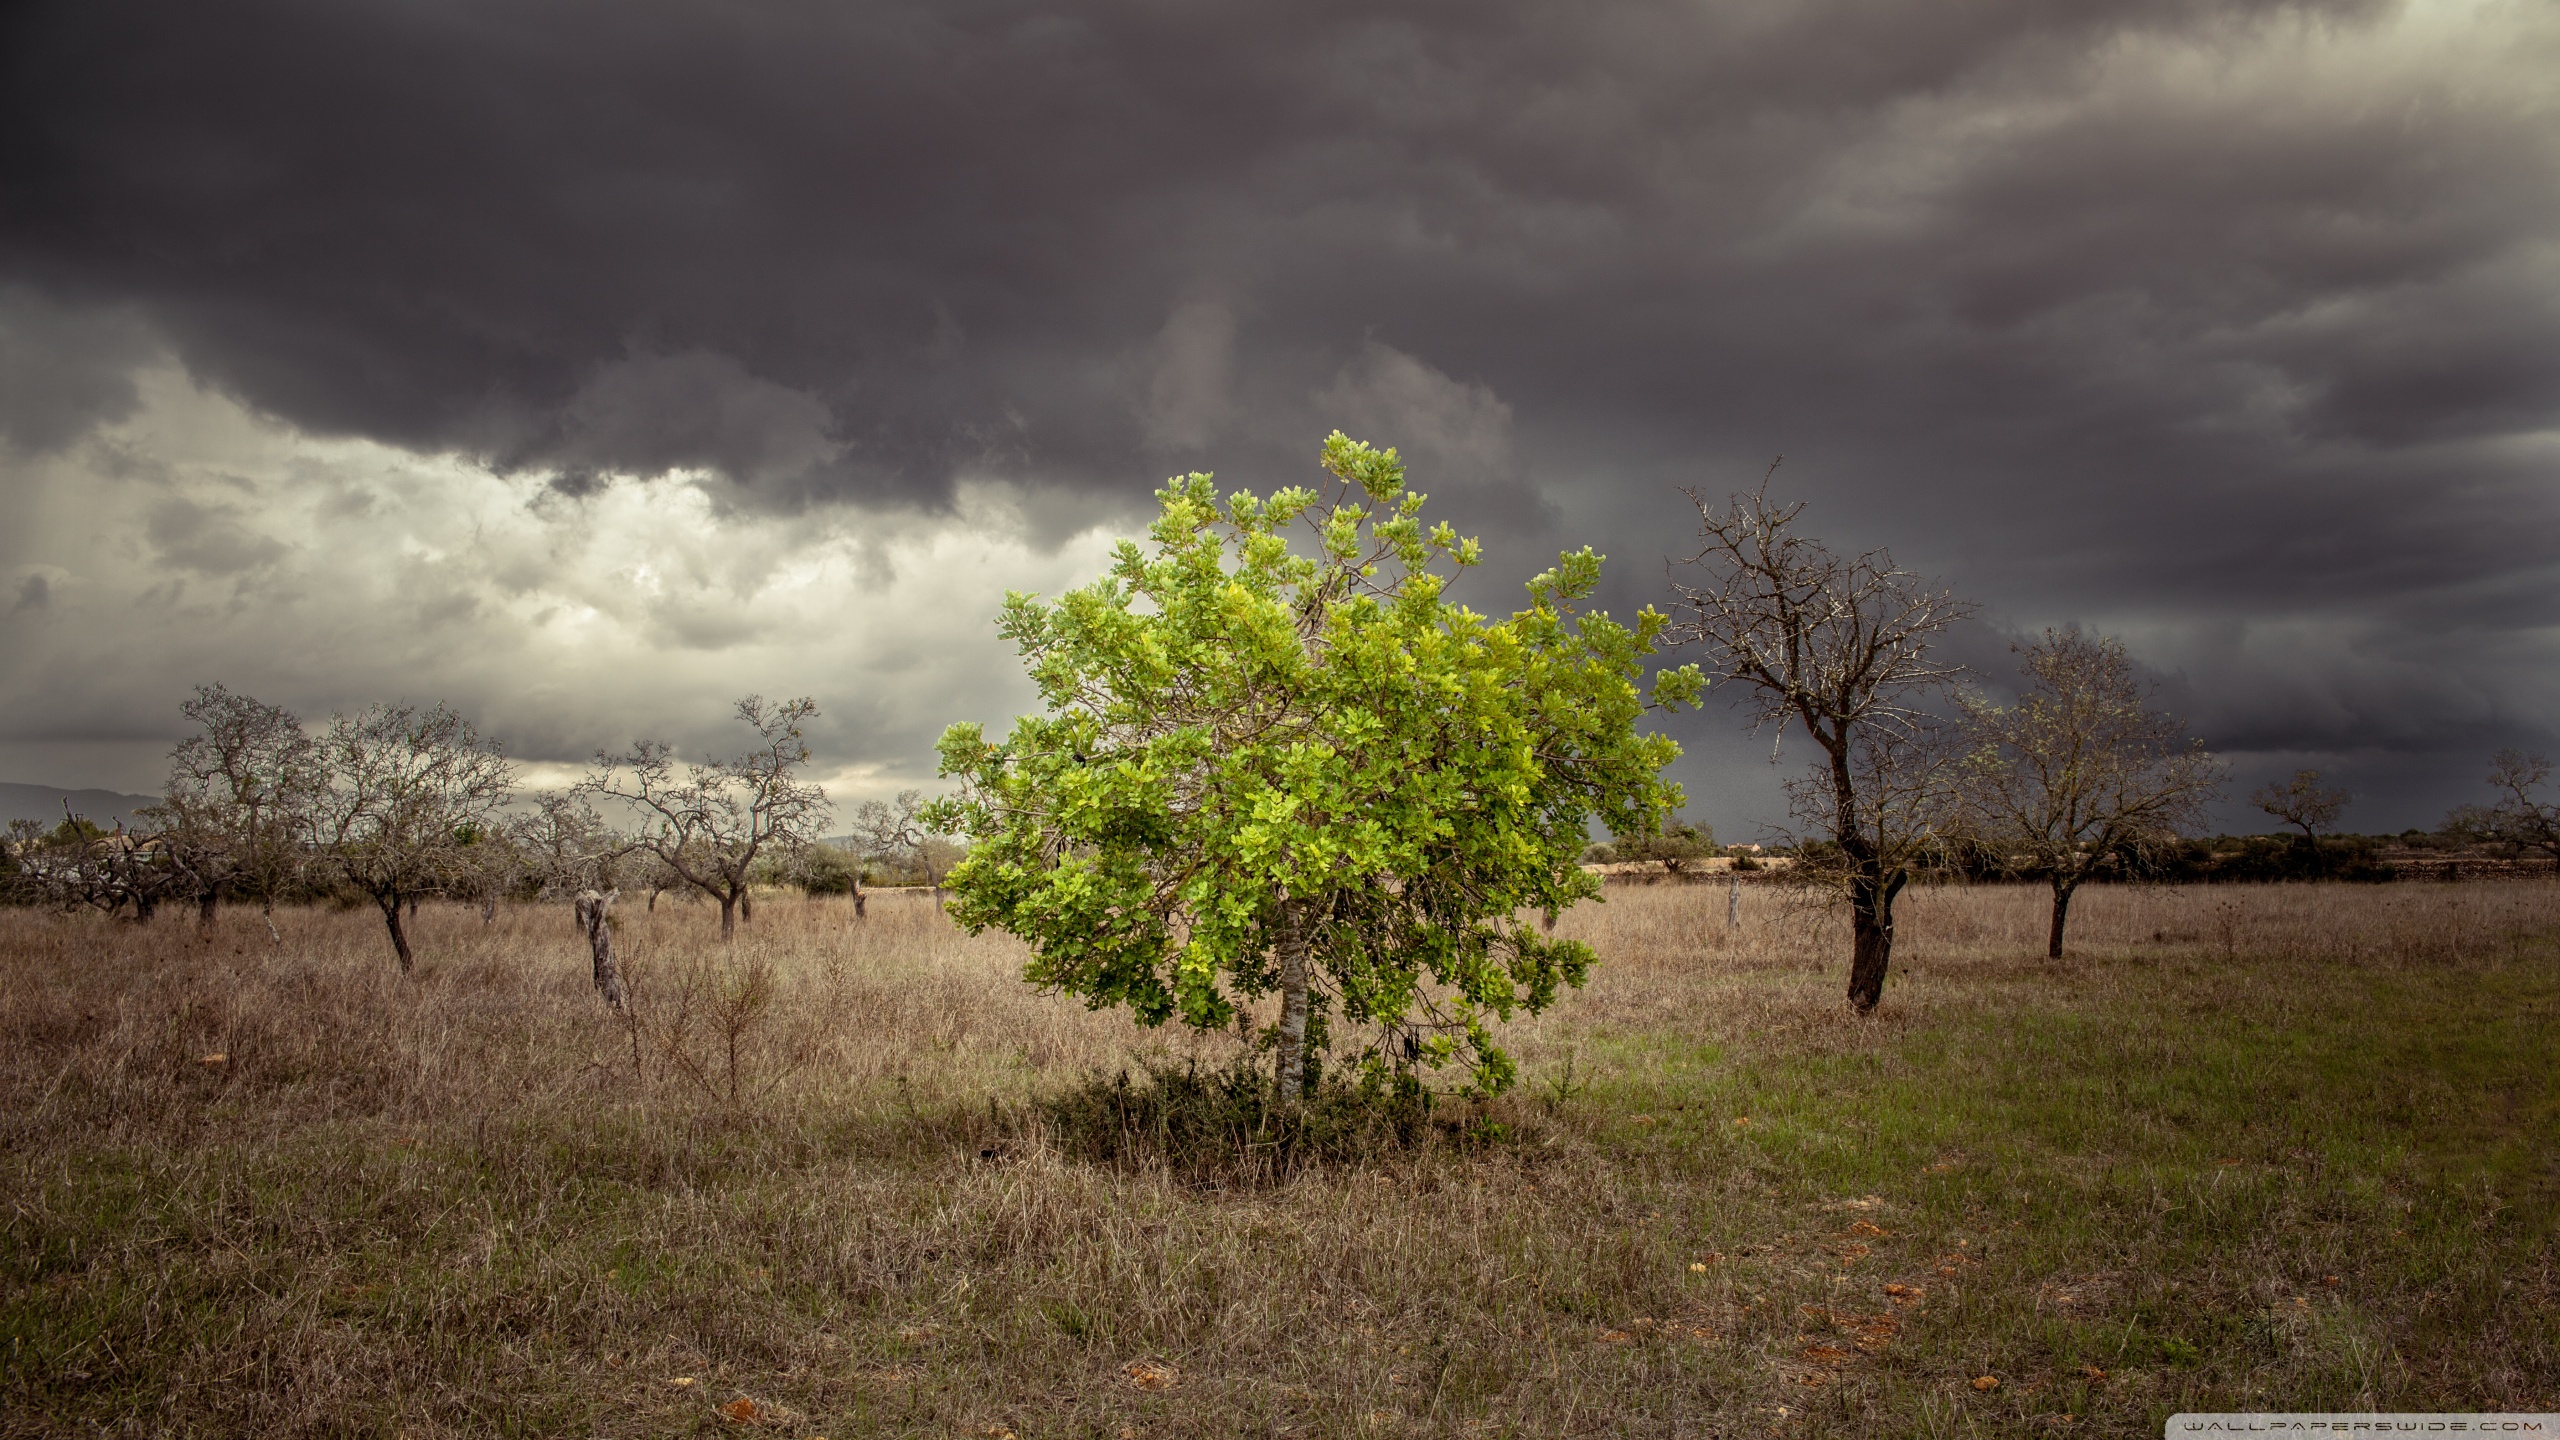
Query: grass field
x=2252, y=1147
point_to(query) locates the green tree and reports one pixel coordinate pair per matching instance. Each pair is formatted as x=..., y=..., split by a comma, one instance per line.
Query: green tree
x=1263, y=770
x=1676, y=844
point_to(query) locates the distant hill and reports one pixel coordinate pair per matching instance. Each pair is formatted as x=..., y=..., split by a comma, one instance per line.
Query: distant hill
x=44, y=802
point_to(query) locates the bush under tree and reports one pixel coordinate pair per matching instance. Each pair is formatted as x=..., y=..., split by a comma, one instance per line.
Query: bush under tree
x=1675, y=844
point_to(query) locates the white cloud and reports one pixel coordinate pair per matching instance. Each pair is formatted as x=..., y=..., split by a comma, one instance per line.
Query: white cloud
x=324, y=574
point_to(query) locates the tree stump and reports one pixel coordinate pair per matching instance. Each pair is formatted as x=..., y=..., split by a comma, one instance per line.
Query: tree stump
x=590, y=909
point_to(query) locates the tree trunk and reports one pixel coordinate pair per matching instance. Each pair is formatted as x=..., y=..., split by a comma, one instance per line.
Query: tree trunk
x=728, y=915
x=1871, y=931
x=204, y=908
x=1291, y=945
x=1870, y=902
x=399, y=938
x=746, y=907
x=489, y=907
x=590, y=910
x=267, y=912
x=2061, y=913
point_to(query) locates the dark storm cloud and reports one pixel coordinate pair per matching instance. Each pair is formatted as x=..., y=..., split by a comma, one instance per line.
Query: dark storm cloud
x=910, y=239
x=62, y=372
x=2195, y=317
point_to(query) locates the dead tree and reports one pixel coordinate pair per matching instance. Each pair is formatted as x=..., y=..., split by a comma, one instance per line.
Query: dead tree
x=2080, y=775
x=709, y=827
x=1842, y=647
x=590, y=908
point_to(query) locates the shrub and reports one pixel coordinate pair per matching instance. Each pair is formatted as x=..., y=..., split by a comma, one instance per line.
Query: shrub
x=1675, y=844
x=1227, y=1124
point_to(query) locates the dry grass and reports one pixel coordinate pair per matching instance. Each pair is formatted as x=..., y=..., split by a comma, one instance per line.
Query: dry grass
x=447, y=1205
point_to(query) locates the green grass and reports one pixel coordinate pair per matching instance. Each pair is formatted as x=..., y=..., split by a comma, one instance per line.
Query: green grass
x=2291, y=1179
x=2342, y=1201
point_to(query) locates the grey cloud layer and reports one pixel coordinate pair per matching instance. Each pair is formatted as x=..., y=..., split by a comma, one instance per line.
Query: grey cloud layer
x=2235, y=327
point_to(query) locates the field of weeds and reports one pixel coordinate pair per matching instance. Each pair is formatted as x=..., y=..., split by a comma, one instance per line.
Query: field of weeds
x=2251, y=1147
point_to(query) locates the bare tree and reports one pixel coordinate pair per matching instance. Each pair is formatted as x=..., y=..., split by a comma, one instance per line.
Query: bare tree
x=2080, y=774
x=1842, y=647
x=239, y=803
x=658, y=878
x=1903, y=784
x=485, y=865
x=2303, y=804
x=709, y=827
x=77, y=864
x=883, y=829
x=2520, y=817
x=566, y=848
x=407, y=790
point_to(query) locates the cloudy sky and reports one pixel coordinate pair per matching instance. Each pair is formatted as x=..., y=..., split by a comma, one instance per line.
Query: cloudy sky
x=590, y=364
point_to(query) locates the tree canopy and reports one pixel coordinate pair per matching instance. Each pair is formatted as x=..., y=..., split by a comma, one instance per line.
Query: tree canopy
x=407, y=790
x=1264, y=770
x=239, y=800
x=2303, y=803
